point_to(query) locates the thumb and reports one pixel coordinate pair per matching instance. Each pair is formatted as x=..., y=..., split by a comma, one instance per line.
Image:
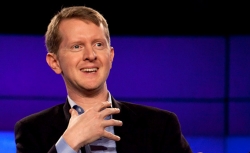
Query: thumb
x=73, y=112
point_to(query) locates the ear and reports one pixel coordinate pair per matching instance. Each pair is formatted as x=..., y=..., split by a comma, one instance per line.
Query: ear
x=112, y=55
x=53, y=62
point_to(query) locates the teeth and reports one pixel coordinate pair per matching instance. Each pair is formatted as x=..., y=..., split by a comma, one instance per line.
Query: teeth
x=90, y=70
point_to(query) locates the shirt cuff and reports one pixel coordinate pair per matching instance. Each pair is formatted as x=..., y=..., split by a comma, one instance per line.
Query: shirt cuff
x=63, y=147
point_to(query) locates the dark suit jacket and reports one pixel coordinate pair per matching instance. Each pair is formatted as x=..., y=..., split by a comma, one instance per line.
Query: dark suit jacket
x=145, y=130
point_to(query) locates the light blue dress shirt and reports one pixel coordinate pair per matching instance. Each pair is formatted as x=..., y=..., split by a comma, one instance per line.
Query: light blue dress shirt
x=63, y=147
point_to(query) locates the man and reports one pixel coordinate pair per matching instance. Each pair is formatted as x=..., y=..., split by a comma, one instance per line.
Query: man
x=91, y=120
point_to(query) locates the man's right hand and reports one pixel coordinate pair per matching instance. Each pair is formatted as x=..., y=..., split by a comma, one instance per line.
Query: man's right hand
x=90, y=126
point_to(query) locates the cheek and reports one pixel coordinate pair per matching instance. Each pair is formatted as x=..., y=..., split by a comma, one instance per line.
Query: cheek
x=68, y=61
x=108, y=60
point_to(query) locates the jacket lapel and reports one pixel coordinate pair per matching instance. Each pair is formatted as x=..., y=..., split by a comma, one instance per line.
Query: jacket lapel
x=66, y=108
x=129, y=119
x=63, y=116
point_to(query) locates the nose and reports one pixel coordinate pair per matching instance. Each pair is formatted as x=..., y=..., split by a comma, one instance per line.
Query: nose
x=89, y=54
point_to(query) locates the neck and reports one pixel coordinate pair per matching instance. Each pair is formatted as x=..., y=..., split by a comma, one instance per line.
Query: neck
x=88, y=99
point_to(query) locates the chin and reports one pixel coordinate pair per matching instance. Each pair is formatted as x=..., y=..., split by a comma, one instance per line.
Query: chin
x=92, y=88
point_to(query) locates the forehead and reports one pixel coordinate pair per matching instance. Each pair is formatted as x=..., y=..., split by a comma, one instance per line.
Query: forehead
x=78, y=24
x=77, y=28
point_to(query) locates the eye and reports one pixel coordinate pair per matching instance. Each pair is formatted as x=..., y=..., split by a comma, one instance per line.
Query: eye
x=76, y=48
x=99, y=45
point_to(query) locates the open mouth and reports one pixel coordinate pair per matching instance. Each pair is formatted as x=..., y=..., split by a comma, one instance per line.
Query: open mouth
x=89, y=70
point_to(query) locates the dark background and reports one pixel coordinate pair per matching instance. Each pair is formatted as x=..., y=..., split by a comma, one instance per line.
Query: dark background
x=176, y=17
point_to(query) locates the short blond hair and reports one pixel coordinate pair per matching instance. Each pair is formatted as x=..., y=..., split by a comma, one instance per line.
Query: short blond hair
x=52, y=36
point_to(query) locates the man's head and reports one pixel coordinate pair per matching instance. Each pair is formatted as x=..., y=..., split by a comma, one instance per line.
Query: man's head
x=53, y=37
x=78, y=44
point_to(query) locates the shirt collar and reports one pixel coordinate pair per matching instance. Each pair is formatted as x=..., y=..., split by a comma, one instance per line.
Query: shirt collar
x=72, y=103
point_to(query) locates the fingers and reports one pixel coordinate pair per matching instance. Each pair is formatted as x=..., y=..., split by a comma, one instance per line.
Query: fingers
x=109, y=111
x=105, y=110
x=102, y=106
x=73, y=112
x=81, y=126
x=112, y=122
x=111, y=136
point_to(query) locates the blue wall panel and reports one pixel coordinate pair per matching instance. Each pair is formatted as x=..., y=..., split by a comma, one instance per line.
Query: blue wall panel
x=238, y=144
x=7, y=142
x=239, y=67
x=168, y=67
x=239, y=118
x=24, y=71
x=239, y=108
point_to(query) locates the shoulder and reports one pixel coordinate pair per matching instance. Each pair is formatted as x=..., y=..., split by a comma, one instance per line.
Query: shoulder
x=48, y=115
x=41, y=130
x=146, y=112
x=141, y=108
x=153, y=120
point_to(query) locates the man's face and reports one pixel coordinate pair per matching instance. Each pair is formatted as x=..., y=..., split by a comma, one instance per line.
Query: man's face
x=85, y=57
